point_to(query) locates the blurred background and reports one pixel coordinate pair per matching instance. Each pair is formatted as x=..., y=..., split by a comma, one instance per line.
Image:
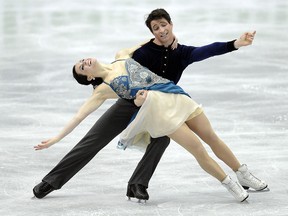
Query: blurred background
x=244, y=93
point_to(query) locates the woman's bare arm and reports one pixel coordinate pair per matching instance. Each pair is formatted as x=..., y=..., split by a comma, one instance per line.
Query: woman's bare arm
x=128, y=52
x=100, y=94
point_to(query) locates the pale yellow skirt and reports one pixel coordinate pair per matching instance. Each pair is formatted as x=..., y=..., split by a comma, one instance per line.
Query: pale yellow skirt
x=161, y=114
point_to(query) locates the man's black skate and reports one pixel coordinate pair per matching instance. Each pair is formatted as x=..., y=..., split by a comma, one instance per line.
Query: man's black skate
x=137, y=191
x=42, y=189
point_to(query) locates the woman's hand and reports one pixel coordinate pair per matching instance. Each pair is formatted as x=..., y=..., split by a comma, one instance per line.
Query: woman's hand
x=140, y=97
x=174, y=44
x=46, y=144
x=245, y=39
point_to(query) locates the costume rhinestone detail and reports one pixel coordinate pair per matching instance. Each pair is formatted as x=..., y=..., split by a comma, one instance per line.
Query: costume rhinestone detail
x=138, y=77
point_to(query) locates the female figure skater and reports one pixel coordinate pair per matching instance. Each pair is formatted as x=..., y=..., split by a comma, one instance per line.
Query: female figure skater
x=180, y=117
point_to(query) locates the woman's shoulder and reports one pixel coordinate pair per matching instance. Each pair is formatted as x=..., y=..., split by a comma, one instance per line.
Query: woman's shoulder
x=122, y=54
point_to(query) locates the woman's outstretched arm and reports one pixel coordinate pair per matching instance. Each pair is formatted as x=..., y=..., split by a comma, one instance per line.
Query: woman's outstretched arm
x=100, y=94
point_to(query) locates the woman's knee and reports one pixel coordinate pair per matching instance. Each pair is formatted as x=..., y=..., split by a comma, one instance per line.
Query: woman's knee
x=211, y=138
x=200, y=153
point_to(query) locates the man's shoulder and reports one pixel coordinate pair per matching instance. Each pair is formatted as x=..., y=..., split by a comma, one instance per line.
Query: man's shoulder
x=147, y=47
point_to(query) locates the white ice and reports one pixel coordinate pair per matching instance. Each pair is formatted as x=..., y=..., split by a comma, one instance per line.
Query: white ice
x=244, y=94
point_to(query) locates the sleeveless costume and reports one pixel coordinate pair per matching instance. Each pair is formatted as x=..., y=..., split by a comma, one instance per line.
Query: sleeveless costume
x=166, y=108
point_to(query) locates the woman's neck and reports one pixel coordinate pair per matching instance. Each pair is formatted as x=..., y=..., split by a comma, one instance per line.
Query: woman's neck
x=104, y=70
x=114, y=70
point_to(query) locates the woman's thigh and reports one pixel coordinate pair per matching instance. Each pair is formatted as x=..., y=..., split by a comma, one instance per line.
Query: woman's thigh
x=201, y=126
x=185, y=137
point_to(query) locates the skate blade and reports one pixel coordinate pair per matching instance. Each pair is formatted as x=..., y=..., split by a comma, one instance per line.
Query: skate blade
x=266, y=189
x=245, y=200
x=139, y=201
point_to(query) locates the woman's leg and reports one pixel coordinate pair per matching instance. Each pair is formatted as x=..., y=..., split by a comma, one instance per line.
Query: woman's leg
x=201, y=126
x=187, y=139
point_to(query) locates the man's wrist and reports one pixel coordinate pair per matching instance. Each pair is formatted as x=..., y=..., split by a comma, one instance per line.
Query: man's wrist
x=230, y=46
x=236, y=44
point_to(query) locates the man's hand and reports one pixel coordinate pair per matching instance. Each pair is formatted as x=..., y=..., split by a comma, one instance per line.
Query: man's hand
x=245, y=39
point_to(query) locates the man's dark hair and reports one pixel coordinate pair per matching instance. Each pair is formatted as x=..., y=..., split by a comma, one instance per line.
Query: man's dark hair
x=156, y=15
x=81, y=79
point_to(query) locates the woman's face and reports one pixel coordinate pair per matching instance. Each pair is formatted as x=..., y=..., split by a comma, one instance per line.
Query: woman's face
x=86, y=67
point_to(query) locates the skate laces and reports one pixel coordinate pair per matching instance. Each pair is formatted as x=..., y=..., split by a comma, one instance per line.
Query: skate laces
x=247, y=179
x=251, y=178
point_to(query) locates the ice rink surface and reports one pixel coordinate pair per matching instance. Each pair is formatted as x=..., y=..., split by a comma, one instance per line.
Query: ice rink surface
x=244, y=94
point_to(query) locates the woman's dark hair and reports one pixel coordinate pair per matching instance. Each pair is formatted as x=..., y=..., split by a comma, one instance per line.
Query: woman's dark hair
x=81, y=79
x=156, y=15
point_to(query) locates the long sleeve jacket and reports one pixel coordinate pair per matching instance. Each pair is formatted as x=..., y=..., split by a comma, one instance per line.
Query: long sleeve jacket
x=170, y=64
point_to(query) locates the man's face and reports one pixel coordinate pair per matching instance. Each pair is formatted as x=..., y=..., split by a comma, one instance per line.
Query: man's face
x=163, y=31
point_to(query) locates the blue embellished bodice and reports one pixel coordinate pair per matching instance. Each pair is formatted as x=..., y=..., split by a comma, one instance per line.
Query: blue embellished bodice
x=138, y=77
